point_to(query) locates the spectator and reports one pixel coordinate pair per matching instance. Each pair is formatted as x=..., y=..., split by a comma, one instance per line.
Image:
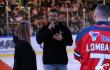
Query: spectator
x=1, y=31
x=2, y=7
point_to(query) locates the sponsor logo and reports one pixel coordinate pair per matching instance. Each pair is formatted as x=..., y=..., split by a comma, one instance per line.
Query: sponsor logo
x=6, y=44
x=94, y=35
x=105, y=38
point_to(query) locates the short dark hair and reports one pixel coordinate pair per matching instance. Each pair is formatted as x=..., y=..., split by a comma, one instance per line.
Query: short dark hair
x=55, y=11
x=102, y=10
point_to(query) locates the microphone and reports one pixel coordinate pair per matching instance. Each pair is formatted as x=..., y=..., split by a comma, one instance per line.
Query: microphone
x=51, y=25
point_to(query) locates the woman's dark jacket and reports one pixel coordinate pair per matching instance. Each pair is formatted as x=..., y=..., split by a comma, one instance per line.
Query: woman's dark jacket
x=24, y=57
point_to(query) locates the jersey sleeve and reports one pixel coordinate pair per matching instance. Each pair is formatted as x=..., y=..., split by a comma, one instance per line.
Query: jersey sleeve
x=77, y=51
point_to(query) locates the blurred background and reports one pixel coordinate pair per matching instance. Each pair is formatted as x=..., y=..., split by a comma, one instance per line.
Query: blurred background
x=76, y=14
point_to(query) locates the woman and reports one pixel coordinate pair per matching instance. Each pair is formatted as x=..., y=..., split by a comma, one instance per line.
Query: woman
x=24, y=57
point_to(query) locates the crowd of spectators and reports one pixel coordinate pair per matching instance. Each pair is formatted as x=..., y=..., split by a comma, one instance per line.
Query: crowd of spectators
x=36, y=11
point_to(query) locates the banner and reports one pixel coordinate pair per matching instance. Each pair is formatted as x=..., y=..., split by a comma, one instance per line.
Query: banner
x=7, y=46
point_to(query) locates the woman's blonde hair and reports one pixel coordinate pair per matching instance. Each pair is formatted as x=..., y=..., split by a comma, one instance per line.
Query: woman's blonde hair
x=23, y=31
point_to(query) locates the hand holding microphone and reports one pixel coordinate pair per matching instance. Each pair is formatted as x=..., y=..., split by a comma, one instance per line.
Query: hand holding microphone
x=51, y=25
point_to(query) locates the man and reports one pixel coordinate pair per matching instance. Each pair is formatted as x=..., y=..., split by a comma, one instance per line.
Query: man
x=2, y=7
x=93, y=43
x=55, y=37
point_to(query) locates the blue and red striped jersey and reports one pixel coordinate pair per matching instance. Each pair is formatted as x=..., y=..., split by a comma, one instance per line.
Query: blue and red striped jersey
x=93, y=48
